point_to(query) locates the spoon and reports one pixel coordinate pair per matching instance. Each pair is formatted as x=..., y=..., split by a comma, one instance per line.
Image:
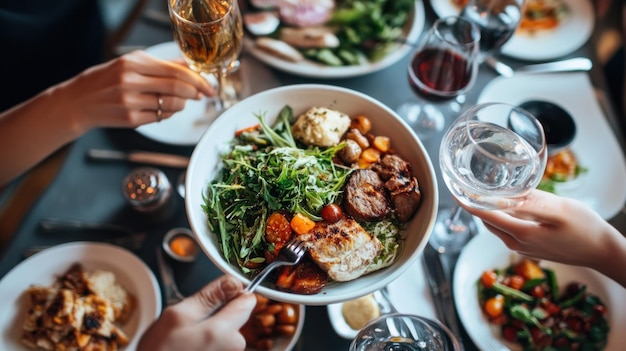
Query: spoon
x=558, y=124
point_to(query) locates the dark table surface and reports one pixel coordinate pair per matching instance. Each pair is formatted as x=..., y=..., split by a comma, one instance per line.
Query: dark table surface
x=91, y=190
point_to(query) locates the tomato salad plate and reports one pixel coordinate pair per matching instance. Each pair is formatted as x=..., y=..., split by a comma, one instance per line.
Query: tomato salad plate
x=486, y=252
x=368, y=38
x=249, y=190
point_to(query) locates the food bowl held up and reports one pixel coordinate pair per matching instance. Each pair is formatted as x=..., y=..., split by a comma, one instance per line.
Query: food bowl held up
x=206, y=161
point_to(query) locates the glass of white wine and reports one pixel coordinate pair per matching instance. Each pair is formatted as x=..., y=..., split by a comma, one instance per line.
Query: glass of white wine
x=209, y=34
x=404, y=332
x=491, y=157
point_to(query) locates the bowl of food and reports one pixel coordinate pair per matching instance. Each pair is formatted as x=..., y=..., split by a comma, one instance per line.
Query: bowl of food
x=330, y=165
x=273, y=325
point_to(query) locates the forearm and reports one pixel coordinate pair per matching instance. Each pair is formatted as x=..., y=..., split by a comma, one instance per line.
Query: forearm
x=34, y=129
x=612, y=260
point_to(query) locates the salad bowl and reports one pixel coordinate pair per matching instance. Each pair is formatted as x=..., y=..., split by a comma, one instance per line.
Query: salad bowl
x=206, y=162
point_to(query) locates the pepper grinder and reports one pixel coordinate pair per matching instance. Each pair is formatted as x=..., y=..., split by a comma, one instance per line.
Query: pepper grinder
x=149, y=192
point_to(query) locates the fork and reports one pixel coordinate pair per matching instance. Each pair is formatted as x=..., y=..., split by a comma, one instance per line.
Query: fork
x=289, y=255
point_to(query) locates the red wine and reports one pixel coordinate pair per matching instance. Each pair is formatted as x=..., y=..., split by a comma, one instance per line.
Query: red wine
x=440, y=73
x=495, y=30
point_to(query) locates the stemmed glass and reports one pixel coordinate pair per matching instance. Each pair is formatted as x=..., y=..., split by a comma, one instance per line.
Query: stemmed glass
x=404, y=332
x=490, y=157
x=442, y=68
x=497, y=21
x=209, y=34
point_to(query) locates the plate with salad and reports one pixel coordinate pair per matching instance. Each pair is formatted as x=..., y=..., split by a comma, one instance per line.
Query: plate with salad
x=509, y=302
x=332, y=38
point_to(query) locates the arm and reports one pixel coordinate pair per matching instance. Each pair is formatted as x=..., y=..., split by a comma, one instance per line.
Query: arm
x=119, y=93
x=559, y=229
x=209, y=320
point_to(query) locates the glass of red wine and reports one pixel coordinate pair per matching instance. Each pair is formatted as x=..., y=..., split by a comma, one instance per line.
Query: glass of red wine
x=497, y=21
x=442, y=68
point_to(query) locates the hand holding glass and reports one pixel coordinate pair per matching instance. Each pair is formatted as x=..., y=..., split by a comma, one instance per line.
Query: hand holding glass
x=209, y=34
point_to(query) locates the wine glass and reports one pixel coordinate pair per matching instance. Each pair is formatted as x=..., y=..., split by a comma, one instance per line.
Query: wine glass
x=404, y=332
x=491, y=157
x=209, y=34
x=497, y=21
x=442, y=68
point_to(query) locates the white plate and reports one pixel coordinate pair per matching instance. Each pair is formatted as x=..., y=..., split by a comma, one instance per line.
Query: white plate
x=486, y=251
x=42, y=268
x=409, y=294
x=602, y=187
x=572, y=33
x=312, y=69
x=184, y=127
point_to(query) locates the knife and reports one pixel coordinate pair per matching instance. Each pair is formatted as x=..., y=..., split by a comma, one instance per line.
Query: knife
x=152, y=158
x=441, y=291
x=132, y=242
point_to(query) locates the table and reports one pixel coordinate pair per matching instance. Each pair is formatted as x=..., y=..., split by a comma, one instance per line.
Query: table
x=91, y=190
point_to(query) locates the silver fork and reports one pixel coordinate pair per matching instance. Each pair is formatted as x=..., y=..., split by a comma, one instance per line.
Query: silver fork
x=289, y=255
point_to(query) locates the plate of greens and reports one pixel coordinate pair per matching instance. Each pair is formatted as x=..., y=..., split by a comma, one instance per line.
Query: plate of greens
x=372, y=36
x=574, y=305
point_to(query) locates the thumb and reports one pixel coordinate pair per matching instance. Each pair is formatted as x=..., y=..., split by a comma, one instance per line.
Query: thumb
x=206, y=301
x=236, y=312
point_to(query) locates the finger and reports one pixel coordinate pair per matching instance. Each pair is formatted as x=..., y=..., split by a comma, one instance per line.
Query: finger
x=210, y=298
x=235, y=313
x=508, y=240
x=148, y=65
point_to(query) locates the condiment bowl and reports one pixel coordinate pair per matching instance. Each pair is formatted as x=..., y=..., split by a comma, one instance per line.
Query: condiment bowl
x=206, y=161
x=180, y=244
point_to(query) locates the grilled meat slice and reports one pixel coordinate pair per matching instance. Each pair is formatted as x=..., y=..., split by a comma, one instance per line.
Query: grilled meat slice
x=343, y=249
x=365, y=196
x=402, y=186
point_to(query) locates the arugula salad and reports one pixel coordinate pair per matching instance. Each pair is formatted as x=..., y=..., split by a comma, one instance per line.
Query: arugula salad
x=268, y=171
x=525, y=300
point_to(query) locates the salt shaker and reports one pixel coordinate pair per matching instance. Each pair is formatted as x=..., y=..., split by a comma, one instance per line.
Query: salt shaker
x=148, y=191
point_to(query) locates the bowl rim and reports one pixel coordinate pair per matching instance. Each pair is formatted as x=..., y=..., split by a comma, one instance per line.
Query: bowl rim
x=385, y=275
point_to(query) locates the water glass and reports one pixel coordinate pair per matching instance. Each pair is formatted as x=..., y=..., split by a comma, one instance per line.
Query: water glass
x=404, y=332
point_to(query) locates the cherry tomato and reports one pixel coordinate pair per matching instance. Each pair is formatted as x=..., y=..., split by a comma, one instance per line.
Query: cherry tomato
x=538, y=291
x=277, y=229
x=488, y=278
x=494, y=306
x=516, y=282
x=331, y=213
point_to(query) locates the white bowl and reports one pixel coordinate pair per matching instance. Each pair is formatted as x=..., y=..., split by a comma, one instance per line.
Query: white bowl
x=205, y=162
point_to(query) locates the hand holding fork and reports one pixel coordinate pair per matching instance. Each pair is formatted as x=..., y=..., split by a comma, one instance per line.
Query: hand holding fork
x=289, y=255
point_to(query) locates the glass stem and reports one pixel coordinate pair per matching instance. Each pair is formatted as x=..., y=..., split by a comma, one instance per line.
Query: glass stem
x=452, y=223
x=220, y=75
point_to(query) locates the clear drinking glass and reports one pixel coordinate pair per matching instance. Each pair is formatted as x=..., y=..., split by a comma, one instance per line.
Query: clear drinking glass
x=497, y=21
x=209, y=34
x=490, y=158
x=404, y=332
x=442, y=68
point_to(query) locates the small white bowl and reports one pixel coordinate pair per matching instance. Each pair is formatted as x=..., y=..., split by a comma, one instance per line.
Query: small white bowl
x=174, y=233
x=205, y=163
